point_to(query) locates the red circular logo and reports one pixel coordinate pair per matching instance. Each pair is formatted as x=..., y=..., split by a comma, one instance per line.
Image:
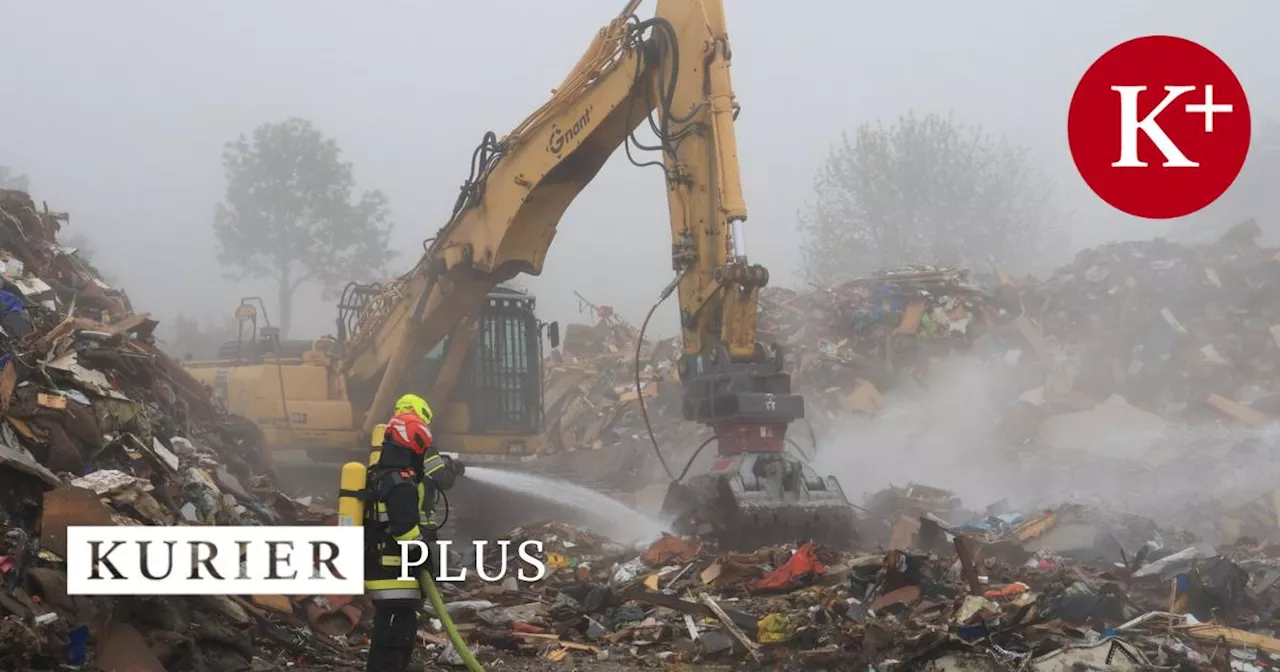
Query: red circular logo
x=1159, y=127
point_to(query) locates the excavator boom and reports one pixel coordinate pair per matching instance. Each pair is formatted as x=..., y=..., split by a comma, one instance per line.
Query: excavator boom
x=672, y=72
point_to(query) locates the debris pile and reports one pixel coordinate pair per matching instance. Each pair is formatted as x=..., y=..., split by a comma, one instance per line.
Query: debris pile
x=1146, y=358
x=1186, y=332
x=1148, y=370
x=1148, y=362
x=99, y=427
x=847, y=343
x=844, y=345
x=1074, y=587
x=595, y=429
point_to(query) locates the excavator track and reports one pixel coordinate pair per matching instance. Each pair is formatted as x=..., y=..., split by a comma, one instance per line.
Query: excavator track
x=755, y=500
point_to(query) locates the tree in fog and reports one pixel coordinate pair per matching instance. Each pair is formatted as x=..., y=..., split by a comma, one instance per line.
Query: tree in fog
x=289, y=214
x=926, y=190
x=12, y=180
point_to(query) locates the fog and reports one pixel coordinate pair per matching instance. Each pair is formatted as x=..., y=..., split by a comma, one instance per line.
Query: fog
x=118, y=113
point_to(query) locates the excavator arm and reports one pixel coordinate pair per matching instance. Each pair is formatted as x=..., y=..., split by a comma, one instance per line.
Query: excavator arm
x=671, y=71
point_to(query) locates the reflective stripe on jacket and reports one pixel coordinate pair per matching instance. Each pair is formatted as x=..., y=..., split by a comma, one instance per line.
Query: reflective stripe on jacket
x=382, y=558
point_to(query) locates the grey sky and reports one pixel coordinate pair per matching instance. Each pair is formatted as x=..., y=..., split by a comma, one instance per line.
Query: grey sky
x=118, y=112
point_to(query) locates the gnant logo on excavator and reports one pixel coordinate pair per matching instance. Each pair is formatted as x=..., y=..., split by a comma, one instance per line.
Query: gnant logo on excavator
x=559, y=138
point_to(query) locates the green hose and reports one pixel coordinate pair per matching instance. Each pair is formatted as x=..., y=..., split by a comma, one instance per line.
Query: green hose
x=458, y=644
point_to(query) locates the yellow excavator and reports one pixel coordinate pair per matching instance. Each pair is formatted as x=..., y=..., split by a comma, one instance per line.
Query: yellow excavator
x=449, y=326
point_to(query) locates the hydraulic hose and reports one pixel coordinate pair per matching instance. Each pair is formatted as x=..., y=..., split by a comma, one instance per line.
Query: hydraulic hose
x=456, y=639
x=694, y=456
x=644, y=412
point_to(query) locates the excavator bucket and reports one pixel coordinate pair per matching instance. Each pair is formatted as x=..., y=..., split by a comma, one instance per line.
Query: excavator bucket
x=759, y=499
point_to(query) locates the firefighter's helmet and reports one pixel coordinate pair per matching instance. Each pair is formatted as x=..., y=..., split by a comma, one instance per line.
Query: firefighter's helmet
x=408, y=431
x=414, y=403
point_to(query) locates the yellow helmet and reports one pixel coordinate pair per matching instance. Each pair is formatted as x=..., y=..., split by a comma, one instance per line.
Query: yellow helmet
x=412, y=402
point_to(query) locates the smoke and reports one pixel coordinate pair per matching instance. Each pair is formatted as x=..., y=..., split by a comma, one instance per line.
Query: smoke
x=948, y=435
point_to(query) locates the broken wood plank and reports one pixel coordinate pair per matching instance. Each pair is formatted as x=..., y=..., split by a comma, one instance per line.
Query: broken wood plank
x=745, y=621
x=734, y=630
x=555, y=639
x=1232, y=636
x=128, y=324
x=966, y=550
x=1237, y=410
x=911, y=317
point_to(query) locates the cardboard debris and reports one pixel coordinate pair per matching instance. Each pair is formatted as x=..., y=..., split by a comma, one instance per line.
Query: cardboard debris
x=100, y=427
x=1006, y=584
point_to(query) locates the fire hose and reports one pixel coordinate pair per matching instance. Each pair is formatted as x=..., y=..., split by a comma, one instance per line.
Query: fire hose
x=455, y=638
x=437, y=601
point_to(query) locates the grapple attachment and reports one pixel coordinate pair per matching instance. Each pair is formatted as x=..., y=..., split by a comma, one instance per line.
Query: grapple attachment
x=751, y=500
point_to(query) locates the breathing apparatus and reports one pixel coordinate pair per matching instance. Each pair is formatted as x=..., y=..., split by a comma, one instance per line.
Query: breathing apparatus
x=355, y=480
x=353, y=484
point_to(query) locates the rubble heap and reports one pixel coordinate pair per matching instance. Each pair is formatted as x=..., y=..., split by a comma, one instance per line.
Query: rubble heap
x=591, y=387
x=1073, y=587
x=1139, y=364
x=1166, y=344
x=1187, y=332
x=843, y=345
x=870, y=330
x=99, y=427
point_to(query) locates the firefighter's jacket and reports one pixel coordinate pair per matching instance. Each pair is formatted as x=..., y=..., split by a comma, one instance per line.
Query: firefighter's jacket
x=401, y=508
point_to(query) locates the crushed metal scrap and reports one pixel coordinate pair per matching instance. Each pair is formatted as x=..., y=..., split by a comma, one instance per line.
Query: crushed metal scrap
x=99, y=427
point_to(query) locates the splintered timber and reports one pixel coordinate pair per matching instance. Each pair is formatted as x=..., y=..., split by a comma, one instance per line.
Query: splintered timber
x=253, y=560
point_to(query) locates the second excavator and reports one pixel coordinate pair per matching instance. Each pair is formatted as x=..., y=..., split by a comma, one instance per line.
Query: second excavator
x=670, y=71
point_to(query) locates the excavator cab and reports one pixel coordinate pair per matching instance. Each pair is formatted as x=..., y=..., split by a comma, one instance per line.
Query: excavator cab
x=493, y=408
x=502, y=379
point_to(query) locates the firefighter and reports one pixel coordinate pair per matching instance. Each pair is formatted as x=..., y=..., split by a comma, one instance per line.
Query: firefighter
x=402, y=486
